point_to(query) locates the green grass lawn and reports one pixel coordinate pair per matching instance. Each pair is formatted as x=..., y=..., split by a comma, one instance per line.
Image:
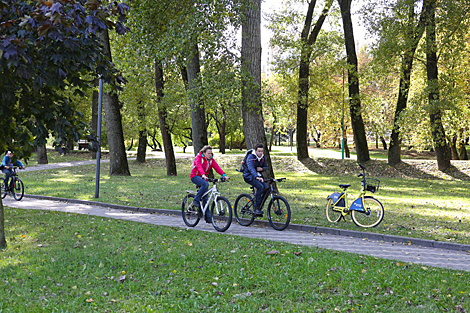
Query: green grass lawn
x=429, y=209
x=54, y=156
x=60, y=262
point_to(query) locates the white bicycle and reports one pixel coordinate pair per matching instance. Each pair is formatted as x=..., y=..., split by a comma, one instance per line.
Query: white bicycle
x=221, y=210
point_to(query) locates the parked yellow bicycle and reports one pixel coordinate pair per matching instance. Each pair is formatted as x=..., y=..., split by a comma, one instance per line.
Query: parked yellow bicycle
x=366, y=211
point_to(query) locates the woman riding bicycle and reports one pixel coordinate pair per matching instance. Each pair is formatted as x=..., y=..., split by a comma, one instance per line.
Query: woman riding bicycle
x=252, y=174
x=203, y=163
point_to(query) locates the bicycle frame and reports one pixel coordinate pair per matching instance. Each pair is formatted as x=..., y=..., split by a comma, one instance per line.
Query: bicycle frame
x=214, y=193
x=356, y=205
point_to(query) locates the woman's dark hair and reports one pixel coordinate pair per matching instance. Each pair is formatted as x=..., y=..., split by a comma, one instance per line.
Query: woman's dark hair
x=260, y=145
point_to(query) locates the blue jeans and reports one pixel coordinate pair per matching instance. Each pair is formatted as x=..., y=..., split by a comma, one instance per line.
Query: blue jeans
x=7, y=173
x=204, y=187
x=260, y=187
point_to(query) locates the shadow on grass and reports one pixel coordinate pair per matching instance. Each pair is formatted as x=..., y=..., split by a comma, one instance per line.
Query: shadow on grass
x=456, y=173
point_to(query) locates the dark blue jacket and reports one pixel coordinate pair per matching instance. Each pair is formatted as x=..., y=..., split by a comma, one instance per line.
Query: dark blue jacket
x=252, y=162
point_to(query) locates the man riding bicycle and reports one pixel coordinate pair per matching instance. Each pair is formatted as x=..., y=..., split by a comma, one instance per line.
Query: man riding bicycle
x=252, y=174
x=7, y=167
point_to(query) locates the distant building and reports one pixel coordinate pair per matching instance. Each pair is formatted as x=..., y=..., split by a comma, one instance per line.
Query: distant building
x=267, y=58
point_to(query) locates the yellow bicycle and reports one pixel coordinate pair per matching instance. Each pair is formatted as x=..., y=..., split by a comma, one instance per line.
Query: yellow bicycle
x=366, y=211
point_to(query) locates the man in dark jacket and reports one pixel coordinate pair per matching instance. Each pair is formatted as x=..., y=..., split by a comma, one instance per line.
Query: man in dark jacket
x=7, y=166
x=252, y=174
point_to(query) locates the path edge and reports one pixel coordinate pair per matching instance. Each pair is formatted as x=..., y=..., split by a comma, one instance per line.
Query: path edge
x=297, y=227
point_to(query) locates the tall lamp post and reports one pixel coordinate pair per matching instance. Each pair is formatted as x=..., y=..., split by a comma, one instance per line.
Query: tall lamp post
x=342, y=123
x=98, y=138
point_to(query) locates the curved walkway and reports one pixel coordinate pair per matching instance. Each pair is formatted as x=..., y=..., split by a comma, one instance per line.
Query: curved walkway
x=404, y=249
x=403, y=252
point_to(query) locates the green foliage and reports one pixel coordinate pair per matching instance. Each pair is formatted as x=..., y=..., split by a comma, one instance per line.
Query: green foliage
x=47, y=51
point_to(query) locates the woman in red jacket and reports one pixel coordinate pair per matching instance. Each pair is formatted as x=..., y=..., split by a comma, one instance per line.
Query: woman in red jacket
x=202, y=165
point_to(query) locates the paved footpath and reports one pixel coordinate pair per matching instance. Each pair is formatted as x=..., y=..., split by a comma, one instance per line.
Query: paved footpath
x=403, y=252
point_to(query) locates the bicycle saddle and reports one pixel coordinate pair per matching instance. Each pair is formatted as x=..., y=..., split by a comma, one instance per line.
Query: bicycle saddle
x=344, y=186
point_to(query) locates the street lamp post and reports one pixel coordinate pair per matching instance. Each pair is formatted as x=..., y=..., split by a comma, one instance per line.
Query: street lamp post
x=342, y=123
x=98, y=138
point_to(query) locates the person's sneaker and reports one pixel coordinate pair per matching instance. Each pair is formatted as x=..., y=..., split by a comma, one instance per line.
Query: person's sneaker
x=258, y=213
x=195, y=204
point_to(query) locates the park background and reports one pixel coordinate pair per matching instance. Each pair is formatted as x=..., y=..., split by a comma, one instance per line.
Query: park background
x=402, y=101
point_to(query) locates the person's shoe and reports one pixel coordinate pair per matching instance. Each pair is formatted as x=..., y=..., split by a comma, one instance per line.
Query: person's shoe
x=195, y=204
x=258, y=213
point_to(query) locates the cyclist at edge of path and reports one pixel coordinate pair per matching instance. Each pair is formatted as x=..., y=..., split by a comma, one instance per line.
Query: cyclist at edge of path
x=203, y=163
x=7, y=167
x=252, y=174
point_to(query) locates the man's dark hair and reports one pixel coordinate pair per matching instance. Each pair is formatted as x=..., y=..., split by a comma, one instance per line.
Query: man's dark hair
x=260, y=145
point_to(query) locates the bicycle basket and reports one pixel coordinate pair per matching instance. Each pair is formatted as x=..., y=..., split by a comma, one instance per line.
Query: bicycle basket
x=372, y=184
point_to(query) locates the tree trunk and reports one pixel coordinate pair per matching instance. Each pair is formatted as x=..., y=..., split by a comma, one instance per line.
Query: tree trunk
x=118, y=165
x=132, y=145
x=462, y=151
x=42, y=154
x=252, y=108
x=198, y=114
x=346, y=149
x=162, y=114
x=437, y=129
x=308, y=40
x=142, y=147
x=384, y=143
x=394, y=152
x=222, y=128
x=453, y=148
x=70, y=143
x=357, y=122
x=3, y=241
x=272, y=138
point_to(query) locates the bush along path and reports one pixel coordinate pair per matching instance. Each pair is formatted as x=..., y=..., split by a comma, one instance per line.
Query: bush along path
x=402, y=252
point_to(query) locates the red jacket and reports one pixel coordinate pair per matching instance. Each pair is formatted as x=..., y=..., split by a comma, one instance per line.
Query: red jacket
x=202, y=166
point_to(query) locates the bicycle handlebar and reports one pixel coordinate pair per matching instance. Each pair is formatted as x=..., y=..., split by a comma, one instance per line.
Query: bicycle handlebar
x=214, y=180
x=275, y=179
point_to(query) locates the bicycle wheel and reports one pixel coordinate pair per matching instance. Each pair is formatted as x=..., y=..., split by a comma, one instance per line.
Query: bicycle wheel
x=190, y=214
x=372, y=217
x=2, y=186
x=279, y=213
x=221, y=214
x=18, y=189
x=244, y=210
x=332, y=215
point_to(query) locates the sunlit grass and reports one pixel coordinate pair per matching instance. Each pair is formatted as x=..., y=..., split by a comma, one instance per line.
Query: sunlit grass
x=60, y=262
x=429, y=209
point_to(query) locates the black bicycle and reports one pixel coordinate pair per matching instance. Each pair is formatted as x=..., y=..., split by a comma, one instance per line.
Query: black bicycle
x=15, y=188
x=278, y=207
